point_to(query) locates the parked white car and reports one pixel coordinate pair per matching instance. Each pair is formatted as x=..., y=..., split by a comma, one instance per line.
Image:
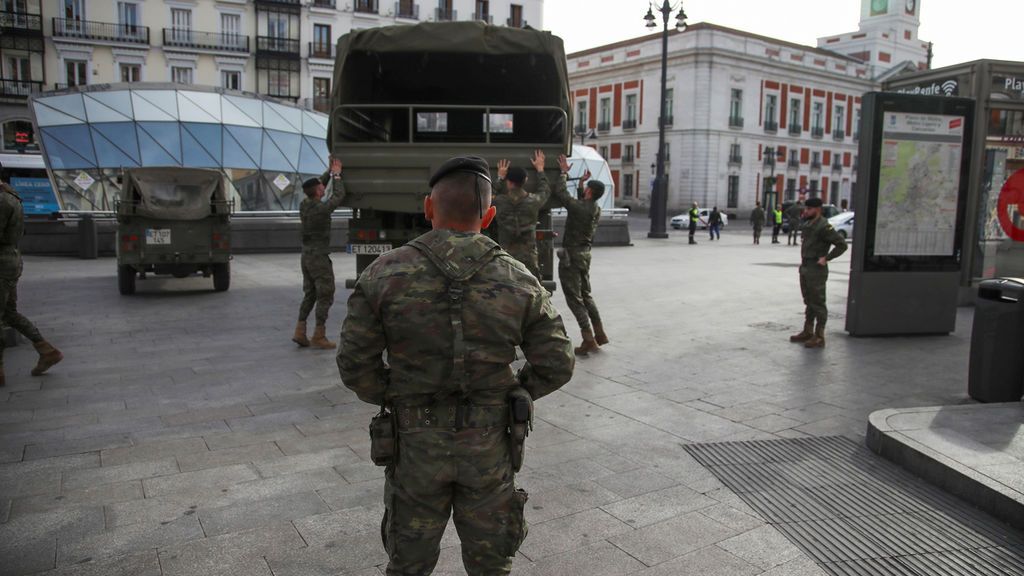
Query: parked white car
x=682, y=221
x=843, y=223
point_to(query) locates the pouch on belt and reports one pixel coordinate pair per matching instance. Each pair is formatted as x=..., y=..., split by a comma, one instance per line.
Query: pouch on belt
x=520, y=422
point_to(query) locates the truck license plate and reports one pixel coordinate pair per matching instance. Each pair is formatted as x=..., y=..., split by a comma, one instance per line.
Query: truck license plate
x=368, y=249
x=158, y=236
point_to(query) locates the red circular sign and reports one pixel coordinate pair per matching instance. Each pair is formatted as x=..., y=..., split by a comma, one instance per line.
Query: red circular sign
x=1012, y=196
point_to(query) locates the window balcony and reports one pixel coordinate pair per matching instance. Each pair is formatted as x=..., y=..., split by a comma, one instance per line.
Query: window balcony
x=182, y=38
x=793, y=163
x=668, y=120
x=445, y=14
x=21, y=23
x=365, y=7
x=815, y=164
x=408, y=10
x=795, y=129
x=515, y=22
x=106, y=32
x=487, y=18
x=735, y=160
x=771, y=126
x=285, y=2
x=629, y=124
x=735, y=122
x=838, y=135
x=604, y=126
x=321, y=50
x=817, y=132
x=331, y=4
x=19, y=89
x=837, y=166
x=274, y=46
x=628, y=159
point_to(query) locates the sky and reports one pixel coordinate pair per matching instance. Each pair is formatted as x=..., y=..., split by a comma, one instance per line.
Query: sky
x=959, y=31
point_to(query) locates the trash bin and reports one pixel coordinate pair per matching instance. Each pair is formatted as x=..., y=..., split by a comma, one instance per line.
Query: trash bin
x=88, y=241
x=996, y=371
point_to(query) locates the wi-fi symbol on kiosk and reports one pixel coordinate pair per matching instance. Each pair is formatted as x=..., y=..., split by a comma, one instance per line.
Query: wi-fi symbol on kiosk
x=949, y=87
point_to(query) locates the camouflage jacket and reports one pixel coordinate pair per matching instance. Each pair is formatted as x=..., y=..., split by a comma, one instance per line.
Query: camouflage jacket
x=401, y=304
x=316, y=218
x=757, y=217
x=819, y=237
x=793, y=213
x=518, y=212
x=582, y=219
x=12, y=226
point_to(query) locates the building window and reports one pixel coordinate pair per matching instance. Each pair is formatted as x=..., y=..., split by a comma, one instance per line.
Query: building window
x=627, y=153
x=231, y=79
x=735, y=156
x=321, y=41
x=605, y=111
x=630, y=111
x=279, y=83
x=771, y=104
x=322, y=94
x=833, y=197
x=817, y=117
x=181, y=74
x=668, y=151
x=515, y=16
x=17, y=68
x=795, y=113
x=627, y=185
x=277, y=24
x=128, y=18
x=839, y=122
x=582, y=120
x=733, y=199
x=407, y=9
x=603, y=151
x=74, y=71
x=856, y=124
x=790, y=189
x=670, y=95
x=736, y=108
x=19, y=136
x=131, y=72
x=483, y=11
x=814, y=188
x=181, y=25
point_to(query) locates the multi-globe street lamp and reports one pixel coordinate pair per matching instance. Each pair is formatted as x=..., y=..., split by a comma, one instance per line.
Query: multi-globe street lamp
x=659, y=196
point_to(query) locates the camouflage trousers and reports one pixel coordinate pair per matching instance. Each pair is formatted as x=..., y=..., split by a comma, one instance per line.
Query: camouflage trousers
x=466, y=474
x=11, y=317
x=317, y=287
x=812, y=286
x=525, y=252
x=574, y=276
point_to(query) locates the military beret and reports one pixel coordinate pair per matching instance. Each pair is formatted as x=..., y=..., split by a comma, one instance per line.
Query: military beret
x=813, y=203
x=516, y=175
x=470, y=164
x=311, y=183
x=596, y=185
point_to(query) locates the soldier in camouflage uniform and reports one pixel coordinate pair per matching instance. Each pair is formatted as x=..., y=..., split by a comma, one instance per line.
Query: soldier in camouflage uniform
x=821, y=244
x=317, y=270
x=449, y=308
x=518, y=211
x=794, y=214
x=574, y=257
x=12, y=227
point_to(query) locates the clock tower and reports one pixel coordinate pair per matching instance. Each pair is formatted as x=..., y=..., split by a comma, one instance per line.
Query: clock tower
x=886, y=38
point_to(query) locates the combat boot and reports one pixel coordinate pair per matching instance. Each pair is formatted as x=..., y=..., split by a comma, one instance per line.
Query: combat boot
x=818, y=339
x=320, y=340
x=806, y=334
x=48, y=356
x=589, y=344
x=599, y=336
x=300, y=334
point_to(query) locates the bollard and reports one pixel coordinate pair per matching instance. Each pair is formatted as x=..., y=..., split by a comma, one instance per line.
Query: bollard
x=88, y=241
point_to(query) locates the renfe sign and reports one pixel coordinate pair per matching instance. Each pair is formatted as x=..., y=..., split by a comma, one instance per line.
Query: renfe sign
x=948, y=87
x=1009, y=86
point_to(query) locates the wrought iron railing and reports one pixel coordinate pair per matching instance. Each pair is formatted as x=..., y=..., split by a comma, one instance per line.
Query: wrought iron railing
x=483, y=17
x=19, y=22
x=445, y=14
x=668, y=120
x=771, y=126
x=278, y=45
x=735, y=122
x=323, y=4
x=735, y=159
x=604, y=126
x=795, y=129
x=365, y=7
x=322, y=50
x=409, y=10
x=629, y=124
x=627, y=159
x=817, y=131
x=837, y=165
x=838, y=135
x=815, y=164
x=102, y=31
x=185, y=38
x=14, y=88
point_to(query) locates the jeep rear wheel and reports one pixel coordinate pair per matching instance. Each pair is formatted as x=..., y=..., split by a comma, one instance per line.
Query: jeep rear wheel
x=221, y=277
x=126, y=280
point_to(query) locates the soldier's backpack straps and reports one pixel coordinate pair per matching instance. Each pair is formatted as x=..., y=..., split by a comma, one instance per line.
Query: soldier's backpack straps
x=457, y=275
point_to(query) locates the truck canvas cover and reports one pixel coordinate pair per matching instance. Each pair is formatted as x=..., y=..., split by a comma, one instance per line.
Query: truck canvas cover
x=172, y=193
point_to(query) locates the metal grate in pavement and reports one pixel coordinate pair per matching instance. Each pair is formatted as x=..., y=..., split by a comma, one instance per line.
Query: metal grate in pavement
x=856, y=514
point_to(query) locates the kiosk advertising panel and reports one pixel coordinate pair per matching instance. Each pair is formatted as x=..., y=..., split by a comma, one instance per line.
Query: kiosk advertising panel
x=912, y=191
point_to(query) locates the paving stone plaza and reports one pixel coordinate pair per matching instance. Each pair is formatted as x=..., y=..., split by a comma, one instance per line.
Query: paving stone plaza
x=184, y=434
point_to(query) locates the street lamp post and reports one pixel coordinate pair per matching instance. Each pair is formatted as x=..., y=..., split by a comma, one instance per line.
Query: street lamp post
x=659, y=196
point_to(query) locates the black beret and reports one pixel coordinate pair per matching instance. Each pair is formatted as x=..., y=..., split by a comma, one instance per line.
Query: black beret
x=813, y=203
x=471, y=164
x=311, y=183
x=596, y=185
x=516, y=175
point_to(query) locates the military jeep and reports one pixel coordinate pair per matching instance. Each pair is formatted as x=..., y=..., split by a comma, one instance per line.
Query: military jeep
x=173, y=221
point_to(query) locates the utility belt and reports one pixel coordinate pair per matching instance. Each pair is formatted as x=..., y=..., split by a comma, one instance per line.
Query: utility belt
x=451, y=415
x=812, y=260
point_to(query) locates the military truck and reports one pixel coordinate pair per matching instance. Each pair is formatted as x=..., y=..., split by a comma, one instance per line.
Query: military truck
x=407, y=98
x=173, y=221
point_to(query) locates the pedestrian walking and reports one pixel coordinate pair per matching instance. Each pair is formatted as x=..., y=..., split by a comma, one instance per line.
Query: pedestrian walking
x=12, y=228
x=317, y=269
x=757, y=221
x=694, y=217
x=794, y=216
x=518, y=211
x=821, y=244
x=574, y=256
x=715, y=224
x=449, y=309
x=776, y=223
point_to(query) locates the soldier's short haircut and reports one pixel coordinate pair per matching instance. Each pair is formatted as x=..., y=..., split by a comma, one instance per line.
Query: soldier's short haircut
x=461, y=197
x=309, y=186
x=596, y=189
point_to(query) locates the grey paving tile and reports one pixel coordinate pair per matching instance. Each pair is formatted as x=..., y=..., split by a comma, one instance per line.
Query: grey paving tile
x=349, y=553
x=322, y=529
x=238, y=455
x=762, y=546
x=220, y=441
x=320, y=442
x=63, y=447
x=128, y=539
x=206, y=415
x=78, y=479
x=797, y=567
x=570, y=533
x=243, y=516
x=636, y=482
x=707, y=561
x=142, y=564
x=220, y=477
x=236, y=554
x=98, y=495
x=152, y=450
x=310, y=461
x=598, y=560
x=657, y=506
x=364, y=494
x=773, y=423
x=566, y=499
x=29, y=543
x=661, y=542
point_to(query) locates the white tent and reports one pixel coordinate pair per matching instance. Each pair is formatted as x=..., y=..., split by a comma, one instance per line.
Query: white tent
x=586, y=158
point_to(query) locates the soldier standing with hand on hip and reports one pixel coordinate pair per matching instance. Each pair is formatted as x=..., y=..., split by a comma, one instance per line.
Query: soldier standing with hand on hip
x=12, y=227
x=819, y=237
x=450, y=308
x=574, y=257
x=317, y=269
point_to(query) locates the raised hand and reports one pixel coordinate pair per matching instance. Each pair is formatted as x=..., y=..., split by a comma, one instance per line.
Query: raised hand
x=335, y=165
x=538, y=160
x=503, y=166
x=563, y=163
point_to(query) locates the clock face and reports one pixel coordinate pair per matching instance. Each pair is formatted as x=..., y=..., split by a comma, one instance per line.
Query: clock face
x=911, y=6
x=879, y=7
